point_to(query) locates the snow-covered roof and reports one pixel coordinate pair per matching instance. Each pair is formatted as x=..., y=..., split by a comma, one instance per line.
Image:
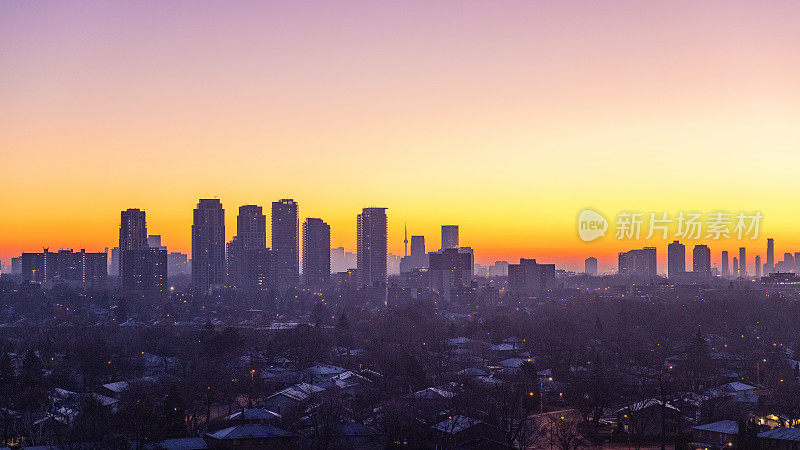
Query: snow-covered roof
x=255, y=414
x=458, y=341
x=638, y=406
x=433, y=392
x=299, y=391
x=723, y=426
x=784, y=434
x=514, y=362
x=250, y=431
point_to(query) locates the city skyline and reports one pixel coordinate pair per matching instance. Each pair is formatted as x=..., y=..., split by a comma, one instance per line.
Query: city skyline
x=518, y=111
x=607, y=262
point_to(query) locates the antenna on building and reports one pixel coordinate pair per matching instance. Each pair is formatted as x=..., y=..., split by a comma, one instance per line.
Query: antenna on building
x=405, y=240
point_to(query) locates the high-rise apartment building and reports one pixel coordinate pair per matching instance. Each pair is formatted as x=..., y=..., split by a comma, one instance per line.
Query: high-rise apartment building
x=316, y=252
x=286, y=243
x=371, y=244
x=208, y=244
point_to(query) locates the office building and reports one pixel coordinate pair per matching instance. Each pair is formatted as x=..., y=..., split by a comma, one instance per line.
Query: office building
x=316, y=252
x=449, y=236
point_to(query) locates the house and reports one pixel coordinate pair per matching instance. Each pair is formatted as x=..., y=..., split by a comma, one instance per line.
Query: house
x=253, y=415
x=461, y=431
x=740, y=392
x=717, y=435
x=321, y=372
x=351, y=435
x=291, y=398
x=645, y=418
x=252, y=436
x=780, y=439
x=349, y=382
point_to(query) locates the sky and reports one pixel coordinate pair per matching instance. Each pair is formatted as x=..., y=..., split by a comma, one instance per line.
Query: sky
x=506, y=118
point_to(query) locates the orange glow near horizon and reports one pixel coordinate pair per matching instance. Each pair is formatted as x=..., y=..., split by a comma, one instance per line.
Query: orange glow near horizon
x=506, y=121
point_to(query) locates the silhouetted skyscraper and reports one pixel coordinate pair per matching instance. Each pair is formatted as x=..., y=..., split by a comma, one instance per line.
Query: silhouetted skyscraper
x=701, y=260
x=770, y=256
x=143, y=267
x=758, y=267
x=132, y=235
x=736, y=272
x=246, y=248
x=449, y=236
x=742, y=262
x=286, y=242
x=725, y=269
x=208, y=244
x=316, y=252
x=640, y=262
x=676, y=259
x=251, y=226
x=590, y=266
x=372, y=247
